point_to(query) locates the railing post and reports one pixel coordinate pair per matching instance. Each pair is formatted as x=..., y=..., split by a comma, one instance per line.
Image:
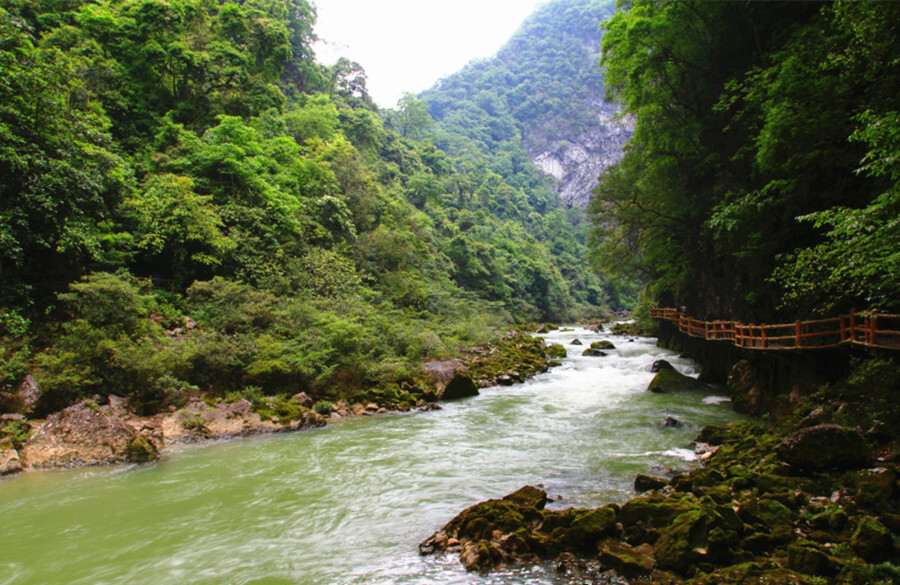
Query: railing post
x=853, y=326
x=762, y=333
x=873, y=327
x=799, y=339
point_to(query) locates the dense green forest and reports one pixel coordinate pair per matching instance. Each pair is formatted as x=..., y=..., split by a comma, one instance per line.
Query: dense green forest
x=762, y=181
x=190, y=201
x=539, y=86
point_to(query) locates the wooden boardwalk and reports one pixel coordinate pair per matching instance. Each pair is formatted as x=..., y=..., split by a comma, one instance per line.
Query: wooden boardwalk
x=869, y=329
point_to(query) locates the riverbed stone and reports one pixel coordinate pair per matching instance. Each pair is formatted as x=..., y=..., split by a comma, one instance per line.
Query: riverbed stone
x=83, y=435
x=823, y=447
x=628, y=561
x=645, y=483
x=576, y=342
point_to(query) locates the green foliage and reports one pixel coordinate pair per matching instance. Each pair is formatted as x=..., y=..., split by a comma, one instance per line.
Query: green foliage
x=16, y=431
x=323, y=407
x=741, y=155
x=314, y=242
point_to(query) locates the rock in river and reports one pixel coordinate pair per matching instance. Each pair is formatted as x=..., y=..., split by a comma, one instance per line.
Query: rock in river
x=670, y=380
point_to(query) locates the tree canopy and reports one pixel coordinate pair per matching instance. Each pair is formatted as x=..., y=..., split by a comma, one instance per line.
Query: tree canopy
x=760, y=180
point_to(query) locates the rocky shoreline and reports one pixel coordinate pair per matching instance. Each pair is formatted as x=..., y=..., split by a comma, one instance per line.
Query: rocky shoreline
x=104, y=431
x=806, y=501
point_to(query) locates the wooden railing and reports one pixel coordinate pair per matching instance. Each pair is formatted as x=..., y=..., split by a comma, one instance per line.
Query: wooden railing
x=871, y=329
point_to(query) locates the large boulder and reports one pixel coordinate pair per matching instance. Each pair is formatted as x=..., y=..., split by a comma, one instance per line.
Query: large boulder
x=824, y=447
x=671, y=381
x=460, y=386
x=82, y=435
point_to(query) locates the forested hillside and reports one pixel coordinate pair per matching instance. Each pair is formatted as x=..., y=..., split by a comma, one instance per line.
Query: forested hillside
x=533, y=117
x=541, y=98
x=190, y=201
x=762, y=181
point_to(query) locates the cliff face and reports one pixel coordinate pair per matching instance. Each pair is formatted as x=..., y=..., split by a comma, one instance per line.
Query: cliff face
x=576, y=154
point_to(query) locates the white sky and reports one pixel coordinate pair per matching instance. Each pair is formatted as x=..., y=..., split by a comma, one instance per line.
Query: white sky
x=407, y=45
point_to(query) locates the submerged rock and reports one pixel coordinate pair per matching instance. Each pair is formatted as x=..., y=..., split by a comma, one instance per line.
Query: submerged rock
x=592, y=352
x=82, y=435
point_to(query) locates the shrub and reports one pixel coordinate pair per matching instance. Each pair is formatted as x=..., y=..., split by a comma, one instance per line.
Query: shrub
x=323, y=407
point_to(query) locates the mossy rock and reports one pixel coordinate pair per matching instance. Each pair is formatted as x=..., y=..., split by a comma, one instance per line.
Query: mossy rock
x=528, y=497
x=557, y=351
x=645, y=483
x=809, y=560
x=698, y=536
x=591, y=525
x=591, y=352
x=872, y=541
x=656, y=510
x=874, y=486
x=603, y=345
x=481, y=520
x=140, y=450
x=576, y=342
x=824, y=447
x=626, y=329
x=672, y=381
x=768, y=514
x=626, y=560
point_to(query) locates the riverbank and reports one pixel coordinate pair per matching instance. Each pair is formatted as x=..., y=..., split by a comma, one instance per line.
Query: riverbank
x=102, y=432
x=808, y=497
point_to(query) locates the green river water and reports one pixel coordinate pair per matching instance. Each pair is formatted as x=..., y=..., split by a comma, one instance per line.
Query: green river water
x=349, y=503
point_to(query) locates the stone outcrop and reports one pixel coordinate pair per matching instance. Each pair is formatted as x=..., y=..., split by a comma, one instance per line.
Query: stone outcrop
x=198, y=421
x=83, y=435
x=576, y=156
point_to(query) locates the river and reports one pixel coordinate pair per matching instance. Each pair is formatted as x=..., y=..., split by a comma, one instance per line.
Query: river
x=349, y=503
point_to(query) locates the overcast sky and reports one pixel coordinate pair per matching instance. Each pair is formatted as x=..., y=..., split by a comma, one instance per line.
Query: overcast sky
x=407, y=45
